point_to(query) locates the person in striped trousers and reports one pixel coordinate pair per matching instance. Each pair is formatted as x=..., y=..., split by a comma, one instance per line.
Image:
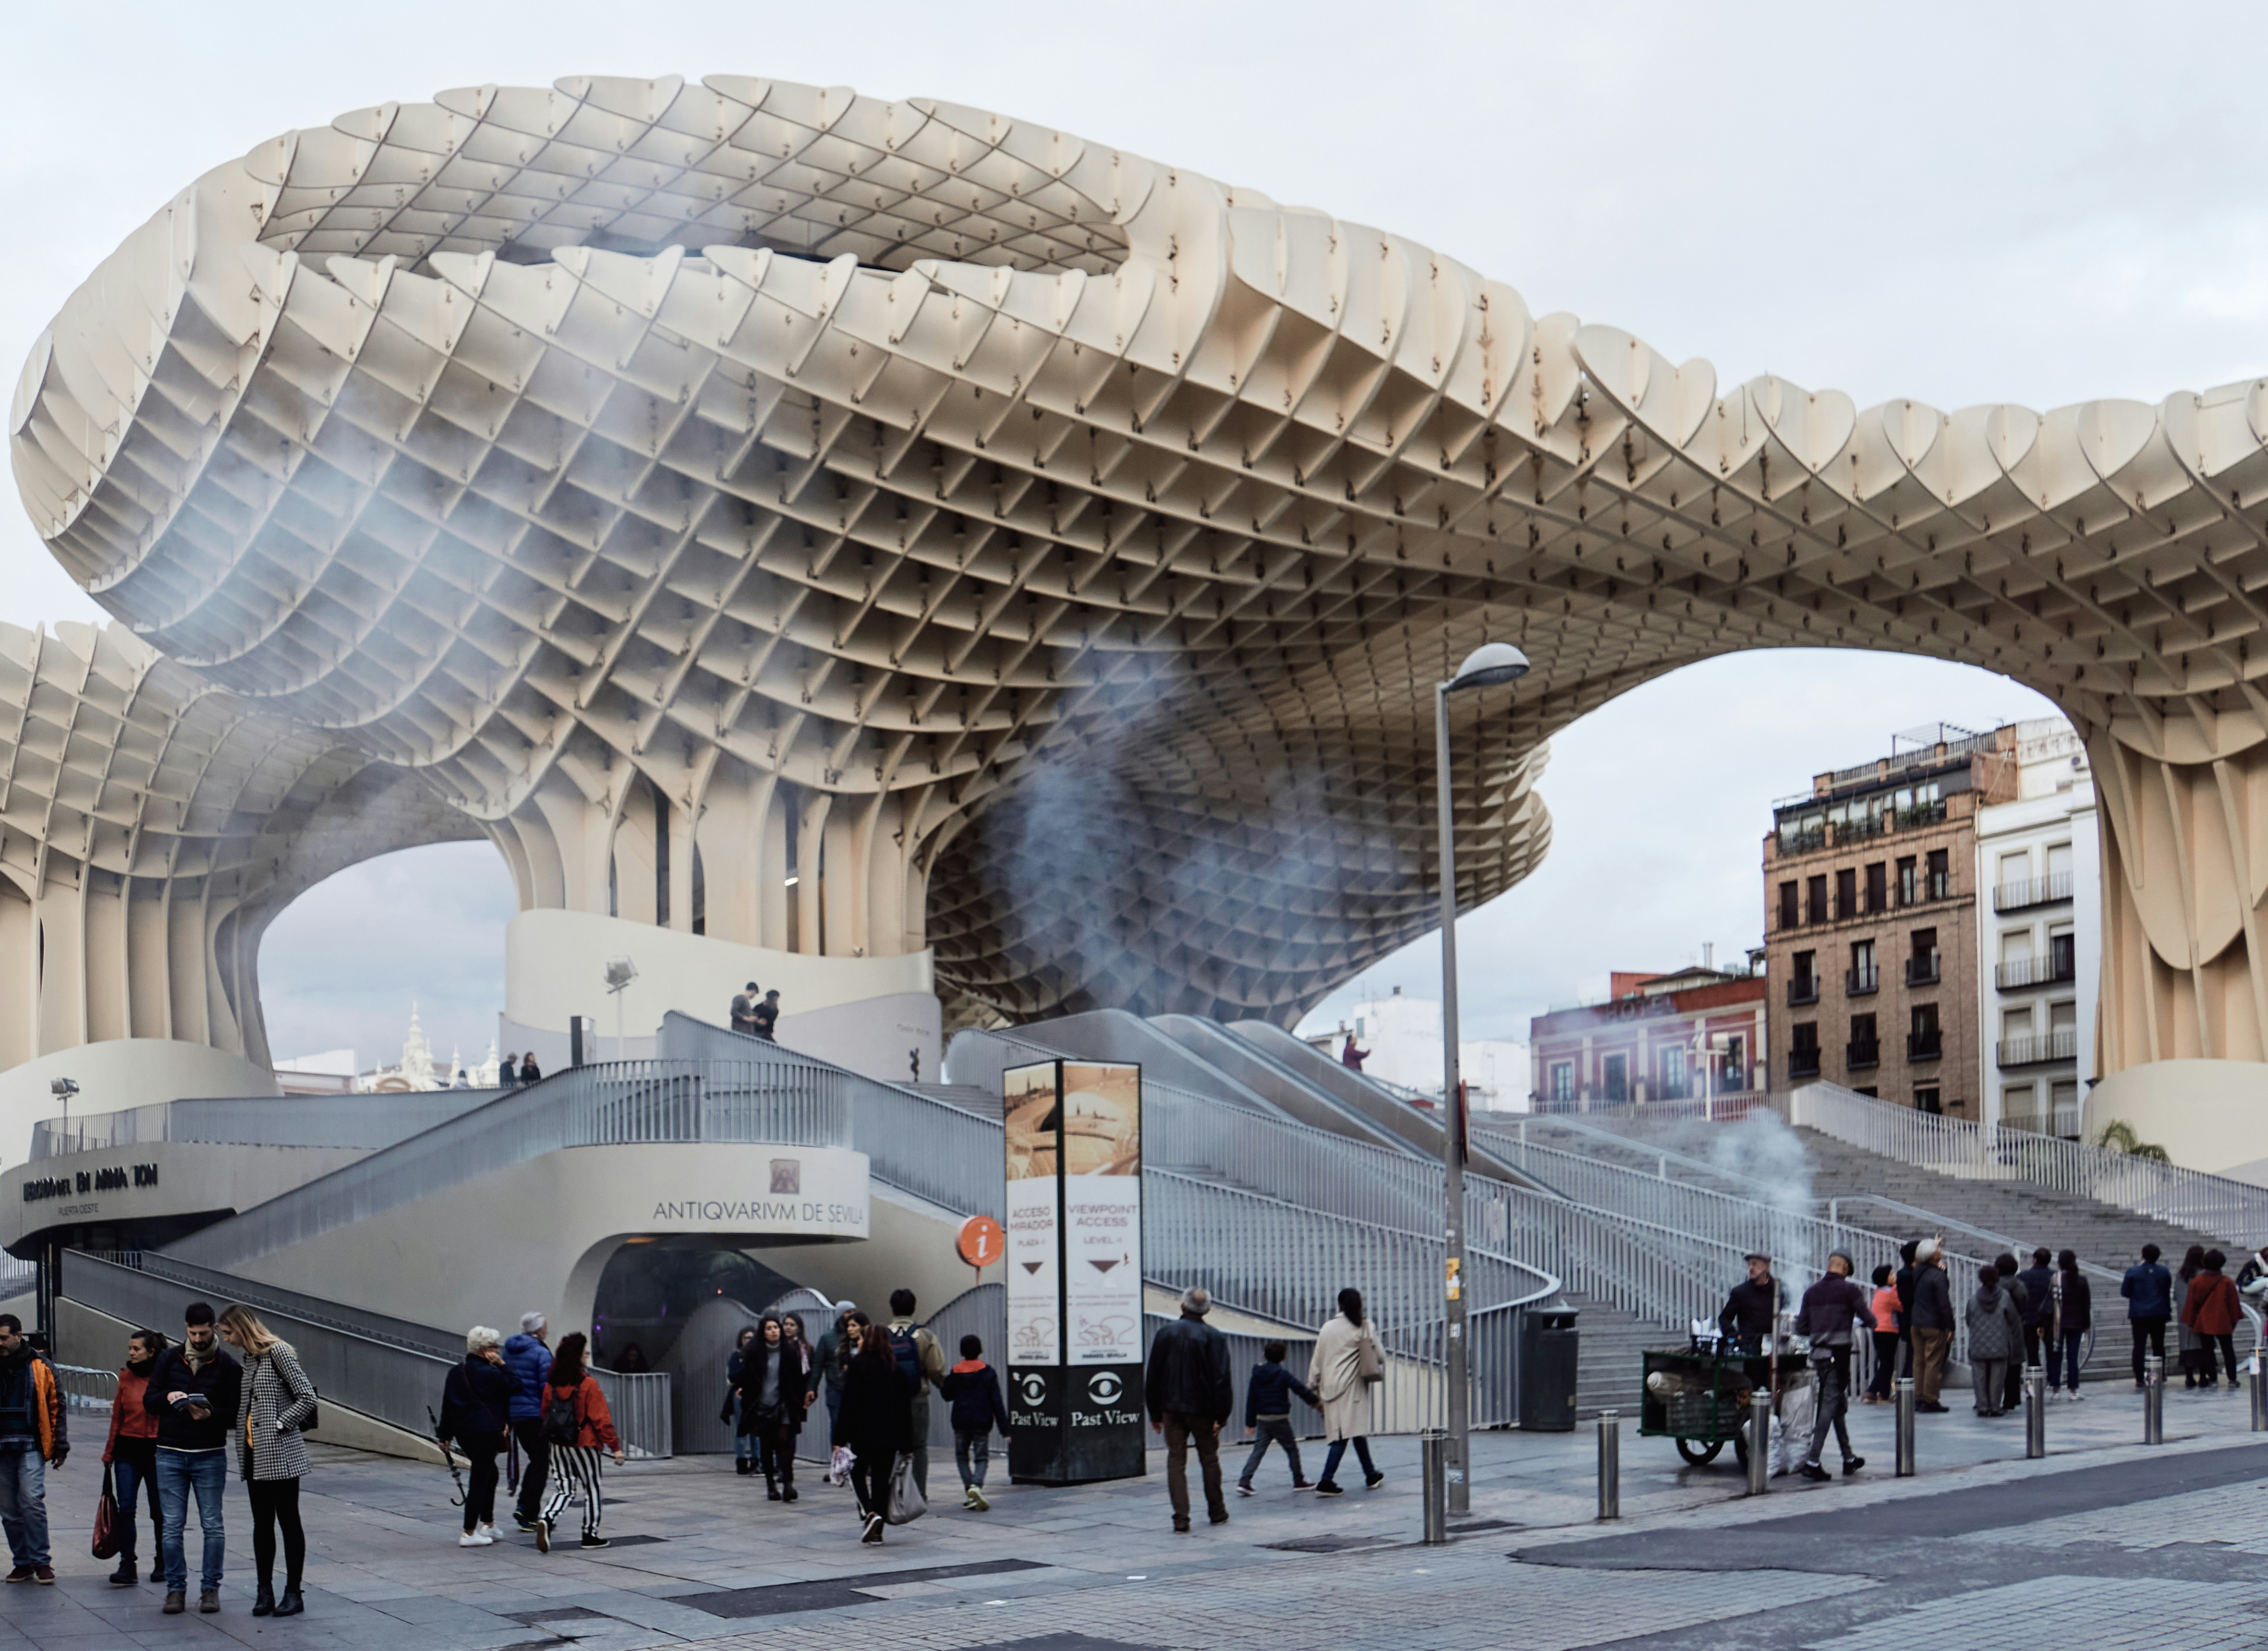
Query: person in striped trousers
x=577, y=1426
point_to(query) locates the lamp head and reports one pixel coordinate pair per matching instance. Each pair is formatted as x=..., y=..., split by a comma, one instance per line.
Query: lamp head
x=62, y=1088
x=1489, y=666
x=620, y=973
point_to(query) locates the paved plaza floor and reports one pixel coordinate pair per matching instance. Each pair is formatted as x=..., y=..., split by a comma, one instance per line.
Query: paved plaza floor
x=2106, y=1543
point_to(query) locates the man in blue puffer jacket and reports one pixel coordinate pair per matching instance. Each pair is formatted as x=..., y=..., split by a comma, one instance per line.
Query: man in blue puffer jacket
x=528, y=1357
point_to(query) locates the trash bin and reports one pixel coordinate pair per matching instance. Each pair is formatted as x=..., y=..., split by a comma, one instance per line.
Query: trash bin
x=1547, y=1369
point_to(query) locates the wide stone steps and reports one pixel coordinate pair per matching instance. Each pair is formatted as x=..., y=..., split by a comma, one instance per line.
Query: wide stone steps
x=1607, y=1366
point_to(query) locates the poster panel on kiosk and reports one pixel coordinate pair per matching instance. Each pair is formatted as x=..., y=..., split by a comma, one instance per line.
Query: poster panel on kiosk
x=1073, y=1140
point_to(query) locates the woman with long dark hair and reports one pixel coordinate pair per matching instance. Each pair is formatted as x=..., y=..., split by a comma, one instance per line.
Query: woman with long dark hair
x=876, y=1422
x=577, y=1425
x=774, y=1382
x=1345, y=1363
x=2075, y=1316
x=744, y=1440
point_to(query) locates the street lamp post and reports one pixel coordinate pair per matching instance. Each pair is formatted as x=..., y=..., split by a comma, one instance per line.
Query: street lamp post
x=1485, y=667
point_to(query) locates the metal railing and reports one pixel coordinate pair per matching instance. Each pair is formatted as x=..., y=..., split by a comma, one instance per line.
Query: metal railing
x=1922, y=1047
x=1923, y=971
x=1863, y=1052
x=616, y=1104
x=2231, y=1210
x=365, y=1362
x=1803, y=1061
x=2037, y=1050
x=266, y=1121
x=84, y=1389
x=2058, y=965
x=1862, y=982
x=1802, y=990
x=2023, y=892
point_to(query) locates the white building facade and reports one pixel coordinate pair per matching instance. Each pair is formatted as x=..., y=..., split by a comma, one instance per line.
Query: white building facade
x=2041, y=940
x=1401, y=1038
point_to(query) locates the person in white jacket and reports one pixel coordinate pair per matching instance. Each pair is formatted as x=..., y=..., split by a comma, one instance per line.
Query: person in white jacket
x=1347, y=1361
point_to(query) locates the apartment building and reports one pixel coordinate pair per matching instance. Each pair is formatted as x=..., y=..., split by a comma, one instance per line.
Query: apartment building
x=1691, y=1034
x=2041, y=961
x=1871, y=921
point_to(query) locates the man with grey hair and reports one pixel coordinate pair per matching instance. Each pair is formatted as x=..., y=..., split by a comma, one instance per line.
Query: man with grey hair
x=528, y=1357
x=1190, y=1396
x=1831, y=1309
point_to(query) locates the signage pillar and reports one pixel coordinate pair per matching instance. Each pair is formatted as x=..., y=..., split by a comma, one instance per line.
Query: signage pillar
x=1074, y=1140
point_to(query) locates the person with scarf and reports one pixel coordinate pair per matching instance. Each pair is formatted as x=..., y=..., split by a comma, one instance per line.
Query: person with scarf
x=130, y=1453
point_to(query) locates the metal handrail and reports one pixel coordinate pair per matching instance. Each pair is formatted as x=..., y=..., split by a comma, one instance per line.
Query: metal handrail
x=2037, y=1050
x=2016, y=895
x=2229, y=1209
x=263, y=1121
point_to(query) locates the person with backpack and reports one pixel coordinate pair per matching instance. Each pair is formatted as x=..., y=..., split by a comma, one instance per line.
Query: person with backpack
x=275, y=1400
x=876, y=1421
x=131, y=1452
x=1346, y=1364
x=2148, y=1288
x=974, y=1387
x=2209, y=1312
x=576, y=1425
x=528, y=1358
x=475, y=1412
x=923, y=1363
x=1268, y=1394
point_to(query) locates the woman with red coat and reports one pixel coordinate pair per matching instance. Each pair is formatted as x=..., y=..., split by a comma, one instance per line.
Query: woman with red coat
x=2209, y=1311
x=130, y=1453
x=576, y=1425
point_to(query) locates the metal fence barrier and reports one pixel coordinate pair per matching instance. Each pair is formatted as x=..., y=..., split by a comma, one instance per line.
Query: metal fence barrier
x=261, y=1121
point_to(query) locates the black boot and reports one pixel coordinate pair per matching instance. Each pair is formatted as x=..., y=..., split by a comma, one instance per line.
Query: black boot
x=742, y=1466
x=787, y=1480
x=771, y=1488
x=290, y=1604
x=264, y=1603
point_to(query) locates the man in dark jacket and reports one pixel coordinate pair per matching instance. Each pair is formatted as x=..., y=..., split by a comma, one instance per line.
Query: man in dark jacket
x=1751, y=1305
x=1833, y=1311
x=33, y=1437
x=192, y=1393
x=2149, y=1292
x=1190, y=1398
x=1930, y=1319
x=528, y=1357
x=2012, y=1281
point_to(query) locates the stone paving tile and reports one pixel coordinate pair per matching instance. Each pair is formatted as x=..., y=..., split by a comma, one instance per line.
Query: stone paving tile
x=2150, y=1612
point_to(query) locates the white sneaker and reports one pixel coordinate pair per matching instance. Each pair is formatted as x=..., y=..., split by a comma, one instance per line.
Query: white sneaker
x=487, y=1530
x=473, y=1539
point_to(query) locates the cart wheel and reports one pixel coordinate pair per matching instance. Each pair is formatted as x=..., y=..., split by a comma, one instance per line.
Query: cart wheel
x=1699, y=1454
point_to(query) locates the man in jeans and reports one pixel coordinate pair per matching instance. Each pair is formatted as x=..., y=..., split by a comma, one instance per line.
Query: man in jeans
x=192, y=1393
x=922, y=1363
x=1190, y=1396
x=33, y=1439
x=2149, y=1292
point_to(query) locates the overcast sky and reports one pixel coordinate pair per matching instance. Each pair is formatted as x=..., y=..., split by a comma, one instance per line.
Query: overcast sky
x=2029, y=202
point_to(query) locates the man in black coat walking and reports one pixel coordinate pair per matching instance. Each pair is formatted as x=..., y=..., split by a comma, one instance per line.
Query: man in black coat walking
x=1190, y=1397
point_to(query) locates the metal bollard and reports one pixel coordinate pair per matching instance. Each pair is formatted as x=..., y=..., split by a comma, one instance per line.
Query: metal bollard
x=2036, y=1412
x=2153, y=1400
x=2257, y=1380
x=1610, y=1464
x=1759, y=1441
x=1433, y=1452
x=1905, y=1388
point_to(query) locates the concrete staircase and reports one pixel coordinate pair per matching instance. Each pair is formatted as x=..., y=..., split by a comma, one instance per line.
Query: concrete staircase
x=2103, y=1234
x=1607, y=1371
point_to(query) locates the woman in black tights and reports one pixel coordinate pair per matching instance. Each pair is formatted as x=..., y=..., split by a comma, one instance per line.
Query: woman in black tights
x=876, y=1422
x=275, y=1400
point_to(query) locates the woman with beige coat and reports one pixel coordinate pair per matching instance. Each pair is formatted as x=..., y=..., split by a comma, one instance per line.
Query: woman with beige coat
x=1346, y=1362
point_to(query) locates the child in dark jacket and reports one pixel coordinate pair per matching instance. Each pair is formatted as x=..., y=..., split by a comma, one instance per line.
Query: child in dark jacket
x=1268, y=1411
x=974, y=1387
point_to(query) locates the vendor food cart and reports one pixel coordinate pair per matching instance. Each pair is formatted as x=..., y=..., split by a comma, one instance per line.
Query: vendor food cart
x=1699, y=1396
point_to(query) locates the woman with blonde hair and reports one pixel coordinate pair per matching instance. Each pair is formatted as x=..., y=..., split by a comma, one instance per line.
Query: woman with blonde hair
x=274, y=1401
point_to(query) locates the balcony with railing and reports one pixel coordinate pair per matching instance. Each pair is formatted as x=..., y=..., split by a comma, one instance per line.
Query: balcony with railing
x=1802, y=989
x=2047, y=891
x=1802, y=1062
x=1923, y=971
x=1864, y=1052
x=2037, y=1050
x=1928, y=1046
x=1862, y=982
x=1930, y=885
x=2060, y=964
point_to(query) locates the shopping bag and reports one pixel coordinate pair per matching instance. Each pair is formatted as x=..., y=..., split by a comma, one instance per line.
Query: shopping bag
x=1791, y=1429
x=107, y=1536
x=839, y=1465
x=906, y=1503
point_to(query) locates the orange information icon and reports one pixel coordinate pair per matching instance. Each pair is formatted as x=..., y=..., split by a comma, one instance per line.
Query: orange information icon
x=981, y=1242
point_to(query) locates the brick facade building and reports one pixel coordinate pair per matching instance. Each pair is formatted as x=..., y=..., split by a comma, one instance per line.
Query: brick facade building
x=1870, y=919
x=1658, y=1038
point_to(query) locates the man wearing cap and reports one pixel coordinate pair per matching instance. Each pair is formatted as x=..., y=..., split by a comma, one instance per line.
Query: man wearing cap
x=1752, y=1305
x=1831, y=1309
x=744, y=1011
x=1190, y=1396
x=1931, y=1321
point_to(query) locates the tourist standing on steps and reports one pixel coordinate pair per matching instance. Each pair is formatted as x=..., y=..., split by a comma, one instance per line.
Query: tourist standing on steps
x=1190, y=1396
x=476, y=1412
x=1931, y=1321
x=528, y=1357
x=1996, y=1335
x=130, y=1453
x=2149, y=1292
x=1351, y=1057
x=2075, y=1316
x=923, y=1361
x=2210, y=1314
x=744, y=1011
x=736, y=1413
x=193, y=1393
x=1344, y=1367
x=876, y=1421
x=528, y=1070
x=1833, y=1311
x=2187, y=1341
x=2012, y=1284
x=508, y=1074
x=275, y=1400
x=2039, y=1311
x=1884, y=1304
x=33, y=1439
x=576, y=1425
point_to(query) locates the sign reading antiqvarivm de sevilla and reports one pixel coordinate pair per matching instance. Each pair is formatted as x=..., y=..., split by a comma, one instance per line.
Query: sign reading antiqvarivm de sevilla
x=1074, y=1220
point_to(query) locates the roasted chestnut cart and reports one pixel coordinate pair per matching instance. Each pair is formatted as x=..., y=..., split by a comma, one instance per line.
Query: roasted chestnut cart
x=1707, y=1407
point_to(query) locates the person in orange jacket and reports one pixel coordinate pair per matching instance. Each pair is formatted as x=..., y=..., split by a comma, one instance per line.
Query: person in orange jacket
x=130, y=1452
x=2209, y=1310
x=577, y=1425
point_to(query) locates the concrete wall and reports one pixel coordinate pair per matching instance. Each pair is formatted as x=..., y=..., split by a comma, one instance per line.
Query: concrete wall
x=2206, y=1114
x=121, y=1072
x=193, y=1178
